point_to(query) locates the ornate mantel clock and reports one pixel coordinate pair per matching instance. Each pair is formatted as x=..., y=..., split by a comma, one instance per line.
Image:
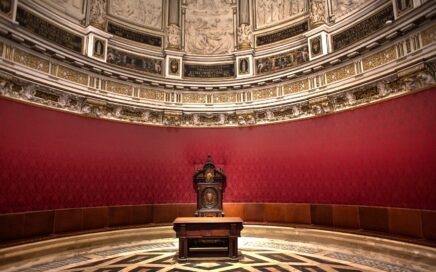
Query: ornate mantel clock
x=209, y=183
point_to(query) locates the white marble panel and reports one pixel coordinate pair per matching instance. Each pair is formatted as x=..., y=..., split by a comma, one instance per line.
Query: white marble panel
x=342, y=7
x=209, y=27
x=269, y=12
x=73, y=8
x=146, y=13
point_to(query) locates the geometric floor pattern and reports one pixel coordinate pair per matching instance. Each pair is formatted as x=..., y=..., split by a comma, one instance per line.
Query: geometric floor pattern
x=253, y=260
x=258, y=254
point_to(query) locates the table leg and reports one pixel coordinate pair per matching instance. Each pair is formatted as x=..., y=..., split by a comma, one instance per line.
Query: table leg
x=183, y=248
x=233, y=247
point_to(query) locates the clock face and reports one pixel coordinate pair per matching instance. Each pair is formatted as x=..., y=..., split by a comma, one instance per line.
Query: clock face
x=209, y=198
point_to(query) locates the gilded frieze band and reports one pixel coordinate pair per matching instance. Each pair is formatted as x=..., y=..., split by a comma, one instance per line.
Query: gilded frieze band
x=31, y=61
x=72, y=75
x=341, y=73
x=419, y=77
x=151, y=94
x=379, y=58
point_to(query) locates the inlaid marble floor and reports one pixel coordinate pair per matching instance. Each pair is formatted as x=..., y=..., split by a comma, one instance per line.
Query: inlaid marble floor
x=258, y=254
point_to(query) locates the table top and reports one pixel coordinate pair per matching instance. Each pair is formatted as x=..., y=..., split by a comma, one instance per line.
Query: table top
x=187, y=220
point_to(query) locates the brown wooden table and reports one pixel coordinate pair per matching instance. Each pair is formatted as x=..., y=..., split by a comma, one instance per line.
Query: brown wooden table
x=208, y=236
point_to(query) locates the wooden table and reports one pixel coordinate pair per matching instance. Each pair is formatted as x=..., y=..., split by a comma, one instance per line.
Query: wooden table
x=208, y=236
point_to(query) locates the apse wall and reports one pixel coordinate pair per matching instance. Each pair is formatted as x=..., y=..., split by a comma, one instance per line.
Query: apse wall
x=378, y=155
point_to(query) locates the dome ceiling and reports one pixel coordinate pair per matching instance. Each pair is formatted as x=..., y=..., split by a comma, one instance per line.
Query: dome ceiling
x=215, y=62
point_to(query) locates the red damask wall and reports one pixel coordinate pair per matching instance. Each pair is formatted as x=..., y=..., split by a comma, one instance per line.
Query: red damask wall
x=380, y=155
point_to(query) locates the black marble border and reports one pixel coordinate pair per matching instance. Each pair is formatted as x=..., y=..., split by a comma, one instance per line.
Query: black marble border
x=363, y=29
x=49, y=31
x=283, y=34
x=133, y=35
x=209, y=71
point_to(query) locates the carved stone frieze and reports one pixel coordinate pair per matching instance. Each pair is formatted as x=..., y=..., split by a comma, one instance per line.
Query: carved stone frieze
x=97, y=13
x=379, y=58
x=209, y=27
x=415, y=78
x=226, y=97
x=274, y=11
x=264, y=93
x=295, y=87
x=245, y=35
x=341, y=73
x=72, y=75
x=317, y=12
x=428, y=36
x=118, y=88
x=151, y=94
x=31, y=61
x=146, y=13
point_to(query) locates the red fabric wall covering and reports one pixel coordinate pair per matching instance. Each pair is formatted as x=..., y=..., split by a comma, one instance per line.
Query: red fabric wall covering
x=380, y=155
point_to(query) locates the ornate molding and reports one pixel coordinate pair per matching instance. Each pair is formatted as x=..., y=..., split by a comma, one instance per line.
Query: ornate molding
x=415, y=78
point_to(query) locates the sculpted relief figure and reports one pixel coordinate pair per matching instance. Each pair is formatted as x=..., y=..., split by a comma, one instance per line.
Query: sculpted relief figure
x=173, y=36
x=244, y=36
x=342, y=7
x=143, y=12
x=209, y=27
x=317, y=12
x=97, y=14
x=273, y=11
x=73, y=8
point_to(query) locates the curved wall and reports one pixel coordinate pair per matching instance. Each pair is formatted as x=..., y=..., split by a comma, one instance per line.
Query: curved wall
x=380, y=155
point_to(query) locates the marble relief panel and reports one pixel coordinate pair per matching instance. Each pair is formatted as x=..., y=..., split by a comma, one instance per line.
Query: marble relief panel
x=151, y=94
x=342, y=7
x=296, y=87
x=209, y=27
x=269, y=12
x=264, y=93
x=341, y=73
x=73, y=8
x=72, y=75
x=429, y=35
x=146, y=13
x=31, y=61
x=379, y=58
x=224, y=98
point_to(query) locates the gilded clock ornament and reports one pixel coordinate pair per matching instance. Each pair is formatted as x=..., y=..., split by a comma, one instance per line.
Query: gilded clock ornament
x=209, y=184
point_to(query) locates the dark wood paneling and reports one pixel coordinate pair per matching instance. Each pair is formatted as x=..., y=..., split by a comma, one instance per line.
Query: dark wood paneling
x=11, y=227
x=321, y=214
x=38, y=223
x=275, y=212
x=298, y=214
x=346, y=216
x=164, y=213
x=120, y=216
x=234, y=210
x=95, y=218
x=372, y=218
x=142, y=214
x=405, y=222
x=429, y=224
x=68, y=220
x=253, y=212
x=186, y=210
